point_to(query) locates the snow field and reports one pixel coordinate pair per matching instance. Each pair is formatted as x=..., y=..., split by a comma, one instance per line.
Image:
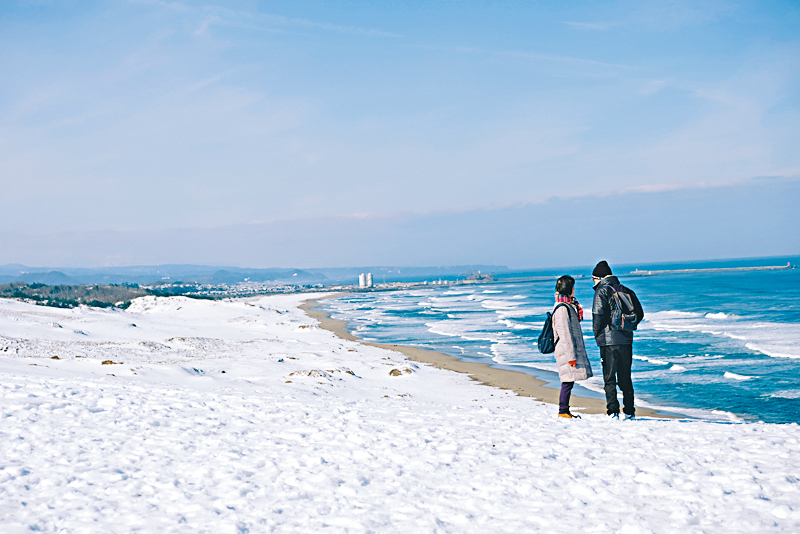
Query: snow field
x=303, y=445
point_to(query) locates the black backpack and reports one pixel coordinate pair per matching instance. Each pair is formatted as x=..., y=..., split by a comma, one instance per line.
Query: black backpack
x=623, y=316
x=547, y=343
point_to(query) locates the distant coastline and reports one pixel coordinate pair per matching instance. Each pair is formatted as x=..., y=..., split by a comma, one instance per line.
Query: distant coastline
x=117, y=286
x=638, y=272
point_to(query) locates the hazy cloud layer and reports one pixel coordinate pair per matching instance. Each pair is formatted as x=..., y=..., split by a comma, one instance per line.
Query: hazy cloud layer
x=145, y=116
x=753, y=218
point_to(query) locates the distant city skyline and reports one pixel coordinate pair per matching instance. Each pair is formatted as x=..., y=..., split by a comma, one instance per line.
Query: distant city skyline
x=310, y=134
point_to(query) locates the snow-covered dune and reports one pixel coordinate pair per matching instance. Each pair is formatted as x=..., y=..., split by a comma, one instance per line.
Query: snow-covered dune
x=243, y=416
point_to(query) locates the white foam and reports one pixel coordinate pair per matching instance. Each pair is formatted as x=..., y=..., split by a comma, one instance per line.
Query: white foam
x=456, y=292
x=772, y=353
x=514, y=353
x=719, y=315
x=733, y=336
x=549, y=366
x=683, y=327
x=778, y=340
x=673, y=313
x=734, y=376
x=499, y=305
x=518, y=313
x=732, y=417
x=789, y=394
x=654, y=361
x=462, y=329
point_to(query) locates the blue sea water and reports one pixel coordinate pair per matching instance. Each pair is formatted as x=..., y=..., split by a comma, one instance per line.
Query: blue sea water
x=717, y=345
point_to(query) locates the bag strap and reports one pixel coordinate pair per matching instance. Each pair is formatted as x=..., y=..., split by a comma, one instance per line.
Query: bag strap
x=617, y=292
x=559, y=305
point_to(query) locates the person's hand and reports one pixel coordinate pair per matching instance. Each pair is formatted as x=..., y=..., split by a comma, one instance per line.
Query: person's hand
x=573, y=362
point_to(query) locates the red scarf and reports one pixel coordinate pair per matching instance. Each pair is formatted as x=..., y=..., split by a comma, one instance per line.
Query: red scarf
x=573, y=301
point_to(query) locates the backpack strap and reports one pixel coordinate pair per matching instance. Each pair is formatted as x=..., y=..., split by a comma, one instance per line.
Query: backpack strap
x=559, y=305
x=622, y=290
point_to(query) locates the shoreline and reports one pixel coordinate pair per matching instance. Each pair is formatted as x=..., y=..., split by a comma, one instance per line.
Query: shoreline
x=522, y=384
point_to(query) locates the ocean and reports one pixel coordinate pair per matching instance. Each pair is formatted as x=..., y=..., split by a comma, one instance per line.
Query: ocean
x=719, y=345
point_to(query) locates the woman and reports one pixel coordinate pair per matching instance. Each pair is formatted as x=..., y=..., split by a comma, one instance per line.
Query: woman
x=570, y=353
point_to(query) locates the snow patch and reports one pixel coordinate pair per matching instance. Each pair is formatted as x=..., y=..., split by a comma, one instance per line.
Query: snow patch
x=215, y=423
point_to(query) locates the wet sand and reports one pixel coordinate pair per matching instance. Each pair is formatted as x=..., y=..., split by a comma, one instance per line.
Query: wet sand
x=522, y=384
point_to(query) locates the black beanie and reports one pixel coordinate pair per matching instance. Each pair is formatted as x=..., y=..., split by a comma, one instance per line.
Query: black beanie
x=601, y=270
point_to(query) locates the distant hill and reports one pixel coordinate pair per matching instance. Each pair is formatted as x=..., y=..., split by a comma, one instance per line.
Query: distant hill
x=10, y=274
x=51, y=278
x=154, y=274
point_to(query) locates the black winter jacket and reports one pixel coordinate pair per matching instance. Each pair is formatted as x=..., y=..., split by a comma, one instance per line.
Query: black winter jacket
x=601, y=313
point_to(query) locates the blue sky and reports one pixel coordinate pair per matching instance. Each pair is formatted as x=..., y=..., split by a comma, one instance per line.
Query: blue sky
x=148, y=116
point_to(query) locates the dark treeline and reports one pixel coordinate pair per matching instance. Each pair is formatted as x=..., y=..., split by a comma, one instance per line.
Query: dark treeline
x=70, y=296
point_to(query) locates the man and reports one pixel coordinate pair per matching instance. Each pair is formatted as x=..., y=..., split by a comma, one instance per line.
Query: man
x=616, y=345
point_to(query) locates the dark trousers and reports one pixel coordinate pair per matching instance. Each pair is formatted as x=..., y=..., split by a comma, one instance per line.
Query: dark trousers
x=563, y=398
x=617, y=372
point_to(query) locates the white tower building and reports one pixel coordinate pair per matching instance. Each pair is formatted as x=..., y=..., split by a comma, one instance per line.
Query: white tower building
x=369, y=279
x=362, y=280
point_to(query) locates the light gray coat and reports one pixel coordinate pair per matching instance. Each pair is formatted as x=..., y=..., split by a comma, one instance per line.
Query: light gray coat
x=569, y=345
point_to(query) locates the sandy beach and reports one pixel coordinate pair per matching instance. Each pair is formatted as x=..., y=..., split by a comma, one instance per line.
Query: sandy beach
x=522, y=384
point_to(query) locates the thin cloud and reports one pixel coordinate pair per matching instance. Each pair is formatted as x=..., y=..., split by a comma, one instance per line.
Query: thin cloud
x=369, y=32
x=176, y=6
x=588, y=25
x=266, y=21
x=666, y=187
x=662, y=15
x=523, y=54
x=456, y=49
x=665, y=15
x=639, y=189
x=136, y=63
x=561, y=59
x=204, y=83
x=222, y=16
x=34, y=102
